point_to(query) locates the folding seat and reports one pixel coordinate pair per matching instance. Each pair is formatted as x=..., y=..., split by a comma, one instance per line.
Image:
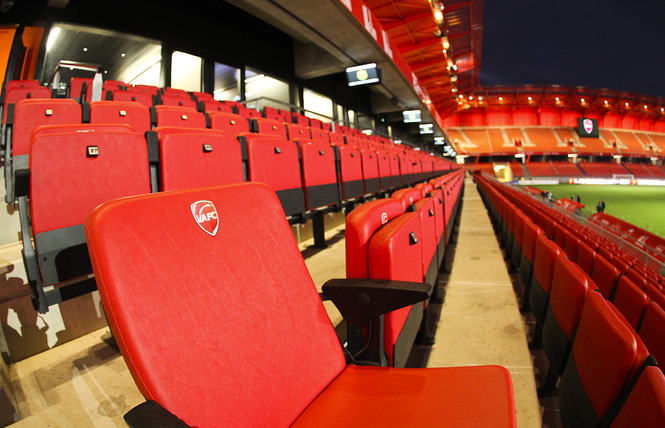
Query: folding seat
x=139, y=97
x=210, y=106
x=319, y=135
x=385, y=174
x=425, y=208
x=297, y=132
x=351, y=173
x=265, y=126
x=655, y=293
x=191, y=157
x=407, y=197
x=327, y=126
x=361, y=224
x=425, y=189
x=440, y=220
x=645, y=406
x=148, y=89
x=570, y=286
x=16, y=94
x=30, y=114
x=605, y=359
x=606, y=276
x=249, y=113
x=21, y=84
x=545, y=254
x=276, y=161
x=319, y=174
x=652, y=331
x=631, y=301
x=107, y=165
x=202, y=96
x=560, y=235
x=518, y=236
x=572, y=246
x=302, y=354
x=396, y=170
x=396, y=253
x=586, y=256
x=162, y=115
x=300, y=119
x=315, y=123
x=135, y=115
x=530, y=234
x=337, y=139
x=229, y=123
x=178, y=100
x=370, y=168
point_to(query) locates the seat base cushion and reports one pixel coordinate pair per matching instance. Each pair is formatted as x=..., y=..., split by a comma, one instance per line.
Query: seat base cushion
x=480, y=396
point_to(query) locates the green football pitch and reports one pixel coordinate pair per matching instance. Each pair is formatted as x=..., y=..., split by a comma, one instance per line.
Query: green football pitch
x=643, y=206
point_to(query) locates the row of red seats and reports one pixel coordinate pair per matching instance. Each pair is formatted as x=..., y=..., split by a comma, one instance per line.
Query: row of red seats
x=249, y=342
x=401, y=238
x=73, y=168
x=590, y=319
x=32, y=113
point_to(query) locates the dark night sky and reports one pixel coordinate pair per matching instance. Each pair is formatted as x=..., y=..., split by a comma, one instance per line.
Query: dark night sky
x=613, y=44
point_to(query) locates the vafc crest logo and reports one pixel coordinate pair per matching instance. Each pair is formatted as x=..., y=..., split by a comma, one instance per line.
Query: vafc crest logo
x=205, y=214
x=588, y=125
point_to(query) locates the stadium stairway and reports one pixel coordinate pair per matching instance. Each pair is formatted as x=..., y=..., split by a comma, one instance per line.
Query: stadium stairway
x=86, y=383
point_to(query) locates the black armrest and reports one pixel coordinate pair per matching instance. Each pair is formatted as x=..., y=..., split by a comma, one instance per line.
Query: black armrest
x=152, y=414
x=361, y=299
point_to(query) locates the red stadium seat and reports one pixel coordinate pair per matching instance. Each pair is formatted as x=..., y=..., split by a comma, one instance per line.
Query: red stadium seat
x=191, y=157
x=546, y=252
x=230, y=123
x=302, y=378
x=166, y=115
x=265, y=126
x=605, y=357
x=319, y=174
x=135, y=115
x=645, y=406
x=606, y=276
x=407, y=196
x=108, y=165
x=652, y=331
x=531, y=233
x=351, y=173
x=570, y=286
x=631, y=301
x=586, y=256
x=135, y=96
x=276, y=161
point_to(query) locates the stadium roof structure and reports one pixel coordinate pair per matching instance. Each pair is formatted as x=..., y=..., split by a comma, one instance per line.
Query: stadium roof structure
x=587, y=56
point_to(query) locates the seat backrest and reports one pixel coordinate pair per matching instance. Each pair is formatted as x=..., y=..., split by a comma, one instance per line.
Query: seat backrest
x=407, y=196
x=645, y=406
x=178, y=100
x=543, y=266
x=230, y=123
x=530, y=234
x=570, y=286
x=265, y=126
x=631, y=301
x=31, y=113
x=351, y=172
x=395, y=253
x=319, y=174
x=361, y=224
x=191, y=157
x=276, y=161
x=298, y=132
x=605, y=355
x=134, y=114
x=16, y=94
x=60, y=199
x=370, y=171
x=134, y=96
x=586, y=256
x=652, y=331
x=605, y=275
x=210, y=106
x=178, y=116
x=240, y=256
